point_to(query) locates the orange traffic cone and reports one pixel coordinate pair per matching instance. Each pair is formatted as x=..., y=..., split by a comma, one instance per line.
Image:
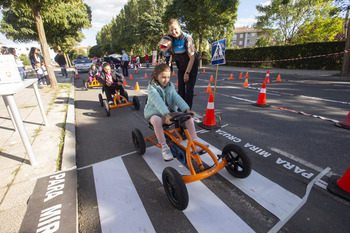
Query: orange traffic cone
x=345, y=124
x=231, y=77
x=131, y=77
x=177, y=83
x=137, y=88
x=174, y=73
x=278, y=79
x=209, y=90
x=246, y=75
x=146, y=75
x=124, y=83
x=261, y=102
x=340, y=186
x=267, y=77
x=209, y=119
x=135, y=69
x=76, y=73
x=203, y=71
x=245, y=84
x=241, y=75
x=211, y=79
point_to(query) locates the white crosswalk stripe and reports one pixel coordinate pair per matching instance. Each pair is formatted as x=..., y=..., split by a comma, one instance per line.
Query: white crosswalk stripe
x=120, y=204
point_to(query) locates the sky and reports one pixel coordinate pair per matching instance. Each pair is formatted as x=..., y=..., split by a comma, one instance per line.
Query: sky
x=104, y=10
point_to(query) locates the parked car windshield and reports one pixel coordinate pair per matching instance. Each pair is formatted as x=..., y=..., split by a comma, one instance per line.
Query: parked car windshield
x=81, y=61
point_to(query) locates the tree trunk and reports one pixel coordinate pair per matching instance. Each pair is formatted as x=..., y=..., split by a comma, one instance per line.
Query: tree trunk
x=44, y=47
x=345, y=71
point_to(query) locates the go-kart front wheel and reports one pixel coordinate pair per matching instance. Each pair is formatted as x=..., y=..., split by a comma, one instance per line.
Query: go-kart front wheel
x=138, y=141
x=136, y=102
x=107, y=108
x=175, y=188
x=239, y=164
x=100, y=98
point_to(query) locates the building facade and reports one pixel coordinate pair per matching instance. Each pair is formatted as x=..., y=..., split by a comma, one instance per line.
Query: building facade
x=245, y=37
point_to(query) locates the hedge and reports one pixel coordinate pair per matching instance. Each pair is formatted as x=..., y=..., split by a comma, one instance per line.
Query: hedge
x=332, y=62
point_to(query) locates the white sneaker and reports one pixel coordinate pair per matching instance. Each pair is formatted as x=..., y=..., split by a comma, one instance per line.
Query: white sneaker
x=167, y=155
x=200, y=149
x=110, y=102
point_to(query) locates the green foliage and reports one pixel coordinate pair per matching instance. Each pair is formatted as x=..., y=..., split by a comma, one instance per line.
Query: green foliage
x=137, y=29
x=285, y=18
x=289, y=51
x=24, y=58
x=63, y=23
x=95, y=51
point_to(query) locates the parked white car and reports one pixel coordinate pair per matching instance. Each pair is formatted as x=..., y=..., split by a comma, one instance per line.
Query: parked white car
x=83, y=65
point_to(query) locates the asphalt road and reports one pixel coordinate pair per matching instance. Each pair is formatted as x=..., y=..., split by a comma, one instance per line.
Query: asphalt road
x=289, y=143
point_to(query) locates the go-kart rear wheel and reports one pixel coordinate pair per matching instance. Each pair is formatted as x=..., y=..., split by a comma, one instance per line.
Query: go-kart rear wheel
x=106, y=106
x=239, y=164
x=175, y=188
x=100, y=98
x=138, y=141
x=136, y=102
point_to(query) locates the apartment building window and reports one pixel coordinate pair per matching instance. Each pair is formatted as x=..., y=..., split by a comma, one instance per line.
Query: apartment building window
x=235, y=37
x=240, y=42
x=253, y=34
x=241, y=36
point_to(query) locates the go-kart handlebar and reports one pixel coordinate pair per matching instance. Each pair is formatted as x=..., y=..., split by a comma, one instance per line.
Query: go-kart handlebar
x=182, y=116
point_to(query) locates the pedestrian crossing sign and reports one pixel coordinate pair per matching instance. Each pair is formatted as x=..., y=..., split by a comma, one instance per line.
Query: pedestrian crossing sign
x=218, y=52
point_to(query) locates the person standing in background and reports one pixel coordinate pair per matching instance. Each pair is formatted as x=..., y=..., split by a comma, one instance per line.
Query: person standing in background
x=125, y=63
x=147, y=60
x=61, y=60
x=19, y=63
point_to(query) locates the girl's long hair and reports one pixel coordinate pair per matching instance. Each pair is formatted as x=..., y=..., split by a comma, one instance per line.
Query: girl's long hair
x=158, y=69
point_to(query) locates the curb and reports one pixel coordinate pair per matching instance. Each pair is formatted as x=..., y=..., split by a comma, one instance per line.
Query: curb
x=69, y=150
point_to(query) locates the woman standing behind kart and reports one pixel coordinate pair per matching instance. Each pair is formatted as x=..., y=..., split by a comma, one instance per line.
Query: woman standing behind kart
x=161, y=106
x=111, y=82
x=186, y=61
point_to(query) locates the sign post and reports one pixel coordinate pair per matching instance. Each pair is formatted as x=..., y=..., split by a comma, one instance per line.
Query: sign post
x=218, y=57
x=10, y=81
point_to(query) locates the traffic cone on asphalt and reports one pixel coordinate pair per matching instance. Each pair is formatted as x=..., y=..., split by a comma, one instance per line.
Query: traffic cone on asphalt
x=135, y=69
x=241, y=75
x=261, y=102
x=267, y=77
x=246, y=75
x=231, y=77
x=177, y=83
x=203, y=71
x=278, y=79
x=131, y=77
x=340, y=186
x=137, y=88
x=245, y=84
x=209, y=90
x=76, y=73
x=146, y=75
x=345, y=124
x=124, y=82
x=174, y=73
x=209, y=119
x=211, y=79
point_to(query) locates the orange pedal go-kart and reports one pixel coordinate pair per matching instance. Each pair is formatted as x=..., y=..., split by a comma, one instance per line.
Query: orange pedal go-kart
x=233, y=158
x=94, y=83
x=119, y=101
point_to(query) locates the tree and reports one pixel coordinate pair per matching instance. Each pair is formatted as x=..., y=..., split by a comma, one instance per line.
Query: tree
x=345, y=7
x=285, y=17
x=61, y=23
x=202, y=17
x=95, y=51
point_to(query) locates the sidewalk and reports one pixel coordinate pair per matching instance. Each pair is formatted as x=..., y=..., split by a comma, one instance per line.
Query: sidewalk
x=18, y=176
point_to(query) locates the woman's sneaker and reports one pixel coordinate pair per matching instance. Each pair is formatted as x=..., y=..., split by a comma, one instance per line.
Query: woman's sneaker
x=167, y=155
x=200, y=149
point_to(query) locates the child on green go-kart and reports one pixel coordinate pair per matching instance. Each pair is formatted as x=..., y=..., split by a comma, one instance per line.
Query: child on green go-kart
x=161, y=106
